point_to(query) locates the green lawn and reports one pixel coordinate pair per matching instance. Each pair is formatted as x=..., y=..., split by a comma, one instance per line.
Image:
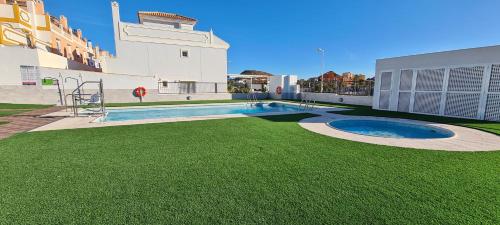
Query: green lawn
x=7, y=109
x=238, y=171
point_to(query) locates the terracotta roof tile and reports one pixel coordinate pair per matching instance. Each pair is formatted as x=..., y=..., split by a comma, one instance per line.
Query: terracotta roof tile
x=167, y=15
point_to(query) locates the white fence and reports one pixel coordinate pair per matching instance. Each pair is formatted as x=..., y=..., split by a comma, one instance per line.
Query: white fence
x=471, y=91
x=334, y=98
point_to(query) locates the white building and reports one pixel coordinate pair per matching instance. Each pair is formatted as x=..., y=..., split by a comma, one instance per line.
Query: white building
x=166, y=46
x=461, y=83
x=163, y=53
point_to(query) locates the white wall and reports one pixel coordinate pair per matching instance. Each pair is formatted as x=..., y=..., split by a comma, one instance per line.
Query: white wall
x=6, y=10
x=15, y=56
x=37, y=95
x=12, y=58
x=110, y=80
x=166, y=63
x=288, y=84
x=154, y=50
x=342, y=99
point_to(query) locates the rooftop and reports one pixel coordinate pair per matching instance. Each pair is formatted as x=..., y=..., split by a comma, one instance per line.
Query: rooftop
x=172, y=16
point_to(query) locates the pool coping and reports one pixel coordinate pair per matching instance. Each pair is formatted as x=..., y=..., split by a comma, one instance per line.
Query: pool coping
x=411, y=122
x=464, y=140
x=88, y=122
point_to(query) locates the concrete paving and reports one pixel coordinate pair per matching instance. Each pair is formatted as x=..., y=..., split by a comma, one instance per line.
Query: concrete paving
x=92, y=122
x=465, y=139
x=28, y=121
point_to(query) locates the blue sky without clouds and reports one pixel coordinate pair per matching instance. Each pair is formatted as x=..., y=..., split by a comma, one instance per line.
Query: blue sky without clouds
x=281, y=36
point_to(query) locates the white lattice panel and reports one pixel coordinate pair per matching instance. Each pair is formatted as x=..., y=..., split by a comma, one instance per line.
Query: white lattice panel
x=404, y=102
x=386, y=81
x=462, y=104
x=466, y=79
x=406, y=80
x=427, y=102
x=430, y=80
x=384, y=99
x=495, y=79
x=493, y=108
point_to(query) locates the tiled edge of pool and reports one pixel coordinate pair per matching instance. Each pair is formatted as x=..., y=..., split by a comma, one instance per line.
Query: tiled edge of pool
x=465, y=139
x=440, y=131
x=128, y=114
x=88, y=122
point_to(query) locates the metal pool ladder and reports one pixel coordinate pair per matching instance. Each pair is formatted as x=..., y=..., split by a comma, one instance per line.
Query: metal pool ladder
x=96, y=99
x=252, y=98
x=307, y=104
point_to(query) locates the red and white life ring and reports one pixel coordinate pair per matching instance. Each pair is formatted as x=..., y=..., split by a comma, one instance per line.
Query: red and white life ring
x=140, y=92
x=279, y=90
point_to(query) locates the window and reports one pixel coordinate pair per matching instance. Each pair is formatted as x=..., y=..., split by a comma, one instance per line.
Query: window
x=185, y=53
x=29, y=75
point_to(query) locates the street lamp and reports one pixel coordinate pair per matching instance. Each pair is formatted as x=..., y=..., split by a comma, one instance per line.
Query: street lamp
x=322, y=52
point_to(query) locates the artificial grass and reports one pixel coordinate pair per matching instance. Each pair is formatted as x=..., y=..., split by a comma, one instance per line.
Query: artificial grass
x=7, y=109
x=22, y=106
x=237, y=171
x=172, y=103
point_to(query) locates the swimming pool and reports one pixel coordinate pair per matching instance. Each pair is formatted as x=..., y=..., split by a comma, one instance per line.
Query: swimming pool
x=194, y=111
x=390, y=129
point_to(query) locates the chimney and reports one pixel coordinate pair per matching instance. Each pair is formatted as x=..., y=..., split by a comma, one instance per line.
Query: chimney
x=40, y=7
x=97, y=51
x=64, y=22
x=79, y=33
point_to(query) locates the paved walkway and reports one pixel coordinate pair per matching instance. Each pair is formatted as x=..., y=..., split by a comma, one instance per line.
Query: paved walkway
x=465, y=139
x=90, y=122
x=27, y=121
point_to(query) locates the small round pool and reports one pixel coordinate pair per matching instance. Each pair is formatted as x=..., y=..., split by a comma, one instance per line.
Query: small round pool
x=389, y=129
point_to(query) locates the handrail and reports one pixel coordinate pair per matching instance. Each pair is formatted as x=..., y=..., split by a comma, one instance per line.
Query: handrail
x=77, y=96
x=252, y=98
x=307, y=104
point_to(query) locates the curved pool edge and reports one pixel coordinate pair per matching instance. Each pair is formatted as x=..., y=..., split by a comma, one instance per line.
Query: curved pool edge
x=449, y=133
x=464, y=140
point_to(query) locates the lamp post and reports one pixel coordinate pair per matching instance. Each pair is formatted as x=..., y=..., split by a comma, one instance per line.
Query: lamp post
x=322, y=52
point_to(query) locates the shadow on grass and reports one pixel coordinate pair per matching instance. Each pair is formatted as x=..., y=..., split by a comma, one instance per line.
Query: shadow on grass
x=288, y=118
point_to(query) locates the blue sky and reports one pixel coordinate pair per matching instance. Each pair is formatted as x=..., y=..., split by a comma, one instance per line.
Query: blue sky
x=281, y=36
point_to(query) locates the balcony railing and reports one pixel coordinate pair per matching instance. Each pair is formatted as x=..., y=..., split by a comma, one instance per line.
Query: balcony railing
x=356, y=88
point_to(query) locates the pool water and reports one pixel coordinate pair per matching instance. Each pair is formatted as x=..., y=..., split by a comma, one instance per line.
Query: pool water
x=389, y=129
x=192, y=111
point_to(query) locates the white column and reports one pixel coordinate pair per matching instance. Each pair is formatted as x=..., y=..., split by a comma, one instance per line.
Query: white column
x=394, y=93
x=484, y=92
x=413, y=89
x=376, y=90
x=442, y=105
x=115, y=8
